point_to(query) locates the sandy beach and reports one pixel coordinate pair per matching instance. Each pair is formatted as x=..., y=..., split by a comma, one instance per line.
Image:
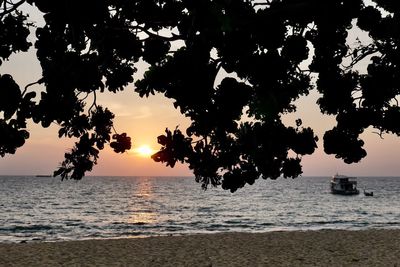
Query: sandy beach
x=309, y=248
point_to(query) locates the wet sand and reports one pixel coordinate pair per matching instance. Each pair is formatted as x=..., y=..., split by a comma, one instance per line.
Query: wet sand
x=309, y=248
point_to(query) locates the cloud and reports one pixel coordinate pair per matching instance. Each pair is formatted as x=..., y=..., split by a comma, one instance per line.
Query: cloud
x=144, y=112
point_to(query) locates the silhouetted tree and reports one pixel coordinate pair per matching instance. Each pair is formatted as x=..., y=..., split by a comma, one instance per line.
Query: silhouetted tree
x=87, y=47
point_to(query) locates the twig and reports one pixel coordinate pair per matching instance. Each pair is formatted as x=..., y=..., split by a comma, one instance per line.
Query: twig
x=379, y=133
x=29, y=85
x=94, y=104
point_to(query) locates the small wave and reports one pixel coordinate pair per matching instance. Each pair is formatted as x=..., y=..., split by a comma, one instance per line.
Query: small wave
x=73, y=220
x=266, y=224
x=130, y=226
x=27, y=228
x=216, y=226
x=79, y=203
x=115, y=212
x=234, y=222
x=242, y=226
x=90, y=212
x=194, y=224
x=393, y=223
x=327, y=222
x=140, y=211
x=204, y=209
x=69, y=224
x=173, y=228
x=362, y=212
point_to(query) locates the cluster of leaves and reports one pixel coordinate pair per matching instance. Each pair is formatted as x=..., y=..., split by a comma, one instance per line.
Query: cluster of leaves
x=85, y=153
x=13, y=35
x=122, y=143
x=265, y=48
x=91, y=46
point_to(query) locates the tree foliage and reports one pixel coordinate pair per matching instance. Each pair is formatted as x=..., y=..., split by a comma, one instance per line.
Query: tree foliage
x=275, y=51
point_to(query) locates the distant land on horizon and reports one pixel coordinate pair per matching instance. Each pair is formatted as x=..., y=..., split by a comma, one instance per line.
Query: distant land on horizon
x=188, y=176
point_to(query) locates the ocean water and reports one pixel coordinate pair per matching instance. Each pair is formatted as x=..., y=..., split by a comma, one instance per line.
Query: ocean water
x=47, y=209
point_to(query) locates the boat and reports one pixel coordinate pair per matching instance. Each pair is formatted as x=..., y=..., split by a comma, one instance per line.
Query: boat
x=344, y=185
x=368, y=194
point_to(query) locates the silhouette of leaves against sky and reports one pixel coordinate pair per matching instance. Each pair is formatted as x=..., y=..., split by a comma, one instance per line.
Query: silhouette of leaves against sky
x=88, y=47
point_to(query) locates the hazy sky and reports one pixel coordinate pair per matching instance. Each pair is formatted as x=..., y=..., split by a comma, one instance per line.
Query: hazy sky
x=145, y=119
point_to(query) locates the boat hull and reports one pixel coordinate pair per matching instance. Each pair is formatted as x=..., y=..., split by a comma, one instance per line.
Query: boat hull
x=346, y=193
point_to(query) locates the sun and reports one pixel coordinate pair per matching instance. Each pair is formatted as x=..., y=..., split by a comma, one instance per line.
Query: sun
x=144, y=151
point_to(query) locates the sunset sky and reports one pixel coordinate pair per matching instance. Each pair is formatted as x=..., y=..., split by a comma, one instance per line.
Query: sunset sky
x=145, y=119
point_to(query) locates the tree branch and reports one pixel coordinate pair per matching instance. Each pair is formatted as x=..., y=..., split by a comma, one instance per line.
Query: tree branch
x=365, y=51
x=12, y=9
x=174, y=36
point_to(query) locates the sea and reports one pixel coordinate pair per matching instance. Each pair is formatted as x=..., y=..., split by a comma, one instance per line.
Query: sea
x=37, y=209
